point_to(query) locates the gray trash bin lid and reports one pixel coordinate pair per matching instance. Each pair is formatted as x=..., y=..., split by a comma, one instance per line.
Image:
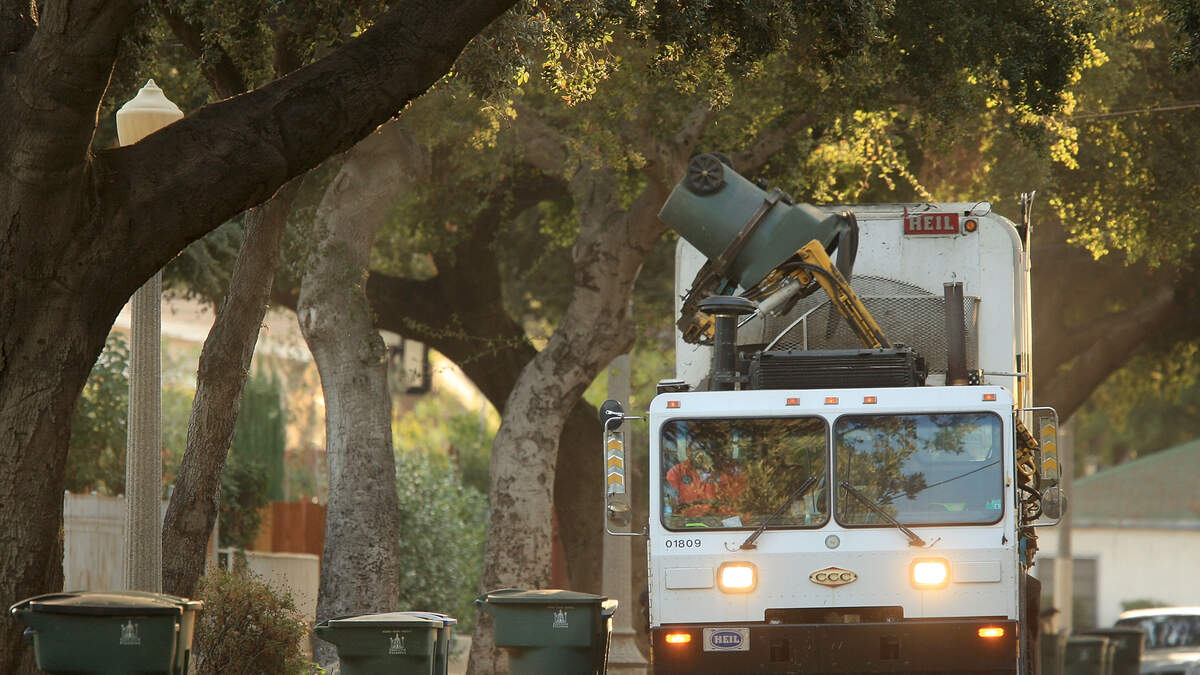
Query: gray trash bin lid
x=544, y=596
x=97, y=603
x=384, y=620
x=547, y=596
x=185, y=603
x=436, y=616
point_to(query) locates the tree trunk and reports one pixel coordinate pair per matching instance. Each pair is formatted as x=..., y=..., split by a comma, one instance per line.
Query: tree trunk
x=360, y=570
x=431, y=311
x=39, y=383
x=608, y=254
x=578, y=498
x=596, y=327
x=467, y=292
x=224, y=363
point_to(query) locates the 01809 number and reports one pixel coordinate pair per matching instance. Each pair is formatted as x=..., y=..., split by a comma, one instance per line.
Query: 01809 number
x=683, y=543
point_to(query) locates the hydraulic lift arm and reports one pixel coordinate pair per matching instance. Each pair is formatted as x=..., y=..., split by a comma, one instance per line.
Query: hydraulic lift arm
x=797, y=277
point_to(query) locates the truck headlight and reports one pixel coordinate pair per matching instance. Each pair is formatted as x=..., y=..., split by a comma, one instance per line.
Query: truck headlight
x=930, y=573
x=737, y=577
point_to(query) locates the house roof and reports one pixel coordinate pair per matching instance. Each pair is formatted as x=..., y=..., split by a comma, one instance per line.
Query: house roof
x=1161, y=488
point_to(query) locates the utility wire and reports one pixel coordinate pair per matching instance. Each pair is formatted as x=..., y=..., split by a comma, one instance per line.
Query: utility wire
x=1137, y=111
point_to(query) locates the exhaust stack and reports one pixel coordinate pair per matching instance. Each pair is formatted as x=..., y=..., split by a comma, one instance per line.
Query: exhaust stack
x=956, y=335
x=725, y=310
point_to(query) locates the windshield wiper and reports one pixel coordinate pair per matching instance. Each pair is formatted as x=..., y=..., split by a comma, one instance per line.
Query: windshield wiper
x=796, y=494
x=913, y=538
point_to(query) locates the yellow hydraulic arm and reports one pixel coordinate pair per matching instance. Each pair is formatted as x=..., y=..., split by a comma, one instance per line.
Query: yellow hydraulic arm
x=810, y=265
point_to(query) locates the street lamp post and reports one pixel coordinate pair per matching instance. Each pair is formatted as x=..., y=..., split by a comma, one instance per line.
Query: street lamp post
x=144, y=114
x=617, y=576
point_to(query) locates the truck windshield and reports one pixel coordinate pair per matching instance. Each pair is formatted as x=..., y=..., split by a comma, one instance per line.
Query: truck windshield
x=735, y=473
x=921, y=469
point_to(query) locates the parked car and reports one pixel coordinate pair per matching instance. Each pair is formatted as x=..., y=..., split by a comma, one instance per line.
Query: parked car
x=1172, y=645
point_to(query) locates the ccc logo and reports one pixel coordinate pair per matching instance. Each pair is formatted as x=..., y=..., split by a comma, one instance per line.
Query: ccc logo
x=833, y=576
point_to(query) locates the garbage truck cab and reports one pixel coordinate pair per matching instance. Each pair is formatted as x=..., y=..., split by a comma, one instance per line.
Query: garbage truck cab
x=816, y=506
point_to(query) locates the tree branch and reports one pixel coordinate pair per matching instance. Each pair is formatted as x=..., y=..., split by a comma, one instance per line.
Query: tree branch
x=287, y=57
x=220, y=380
x=222, y=73
x=49, y=120
x=693, y=125
x=460, y=312
x=1072, y=383
x=177, y=184
x=545, y=147
x=668, y=159
x=18, y=21
x=1068, y=315
x=770, y=142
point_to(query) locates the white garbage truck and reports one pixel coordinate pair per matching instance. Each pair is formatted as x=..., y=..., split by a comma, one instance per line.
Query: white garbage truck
x=846, y=471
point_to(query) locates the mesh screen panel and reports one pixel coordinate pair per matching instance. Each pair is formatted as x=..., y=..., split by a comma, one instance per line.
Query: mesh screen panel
x=907, y=314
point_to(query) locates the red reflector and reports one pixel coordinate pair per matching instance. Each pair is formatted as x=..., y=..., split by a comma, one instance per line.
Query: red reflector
x=831, y=400
x=682, y=638
x=991, y=632
x=672, y=404
x=989, y=397
x=793, y=401
x=870, y=399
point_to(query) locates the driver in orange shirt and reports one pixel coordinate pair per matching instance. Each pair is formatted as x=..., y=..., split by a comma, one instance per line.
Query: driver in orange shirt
x=705, y=489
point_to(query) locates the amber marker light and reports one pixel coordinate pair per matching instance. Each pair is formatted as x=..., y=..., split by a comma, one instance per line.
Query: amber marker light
x=831, y=400
x=792, y=401
x=672, y=404
x=684, y=638
x=737, y=577
x=930, y=573
x=989, y=397
x=870, y=399
x=991, y=632
x=971, y=225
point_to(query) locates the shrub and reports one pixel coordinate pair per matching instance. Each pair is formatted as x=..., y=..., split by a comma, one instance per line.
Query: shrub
x=96, y=460
x=248, y=628
x=243, y=495
x=442, y=532
x=259, y=437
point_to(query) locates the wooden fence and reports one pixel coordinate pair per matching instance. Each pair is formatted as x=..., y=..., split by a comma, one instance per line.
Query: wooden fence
x=288, y=559
x=292, y=527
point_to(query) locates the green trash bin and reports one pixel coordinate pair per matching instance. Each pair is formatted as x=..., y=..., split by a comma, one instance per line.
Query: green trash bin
x=1127, y=648
x=1086, y=655
x=441, y=663
x=105, y=632
x=551, y=631
x=392, y=643
x=187, y=625
x=1053, y=646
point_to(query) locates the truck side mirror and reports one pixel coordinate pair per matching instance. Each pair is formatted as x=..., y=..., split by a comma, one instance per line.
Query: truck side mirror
x=619, y=513
x=1053, y=500
x=1046, y=428
x=1054, y=503
x=616, y=508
